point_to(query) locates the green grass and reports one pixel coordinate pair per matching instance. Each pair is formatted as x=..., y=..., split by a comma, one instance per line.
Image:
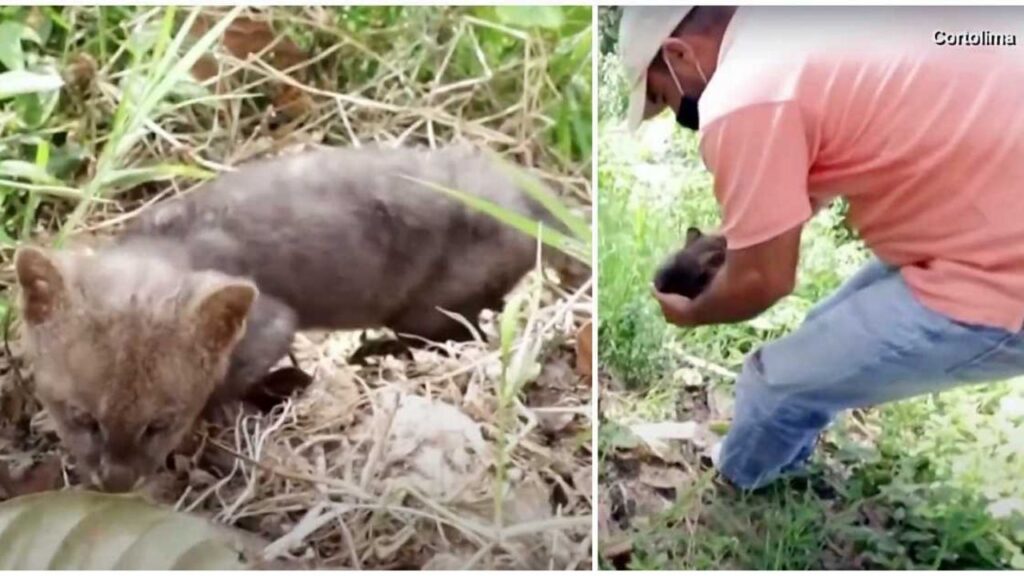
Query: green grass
x=910, y=487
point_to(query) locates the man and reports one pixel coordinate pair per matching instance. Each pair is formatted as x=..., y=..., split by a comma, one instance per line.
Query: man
x=916, y=117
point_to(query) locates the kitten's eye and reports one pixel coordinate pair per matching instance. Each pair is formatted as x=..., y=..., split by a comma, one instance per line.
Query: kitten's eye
x=155, y=428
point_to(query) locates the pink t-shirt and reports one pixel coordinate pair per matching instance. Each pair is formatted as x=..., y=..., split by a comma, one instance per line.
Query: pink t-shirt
x=925, y=140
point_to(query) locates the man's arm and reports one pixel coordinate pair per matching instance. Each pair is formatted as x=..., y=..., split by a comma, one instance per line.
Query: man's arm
x=760, y=156
x=751, y=281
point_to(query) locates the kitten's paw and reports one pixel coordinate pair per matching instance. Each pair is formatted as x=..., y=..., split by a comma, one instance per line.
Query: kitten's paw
x=380, y=347
x=276, y=387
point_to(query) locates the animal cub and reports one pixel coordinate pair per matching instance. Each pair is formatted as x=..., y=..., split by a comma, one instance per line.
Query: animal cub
x=126, y=350
x=202, y=295
x=688, y=271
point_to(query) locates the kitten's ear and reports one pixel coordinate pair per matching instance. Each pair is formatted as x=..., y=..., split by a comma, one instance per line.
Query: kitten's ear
x=692, y=235
x=43, y=290
x=220, y=312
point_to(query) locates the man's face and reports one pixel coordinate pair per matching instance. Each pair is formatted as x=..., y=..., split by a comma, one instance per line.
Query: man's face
x=662, y=91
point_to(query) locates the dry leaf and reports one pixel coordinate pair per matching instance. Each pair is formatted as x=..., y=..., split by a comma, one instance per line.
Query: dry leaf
x=80, y=71
x=448, y=561
x=663, y=477
x=478, y=403
x=205, y=68
x=720, y=403
x=556, y=380
x=530, y=501
x=245, y=38
x=584, y=351
x=95, y=531
x=605, y=523
x=292, y=102
x=620, y=545
x=665, y=431
x=553, y=422
x=17, y=403
x=333, y=396
x=688, y=377
x=41, y=476
x=656, y=436
x=555, y=387
x=583, y=481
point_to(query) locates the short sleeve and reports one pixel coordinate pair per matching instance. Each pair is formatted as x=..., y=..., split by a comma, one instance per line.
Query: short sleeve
x=760, y=161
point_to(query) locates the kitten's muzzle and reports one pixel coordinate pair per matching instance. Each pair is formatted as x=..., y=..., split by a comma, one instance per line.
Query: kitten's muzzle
x=118, y=478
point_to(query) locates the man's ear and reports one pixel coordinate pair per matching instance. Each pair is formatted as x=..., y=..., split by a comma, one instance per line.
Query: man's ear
x=676, y=47
x=219, y=314
x=692, y=235
x=43, y=290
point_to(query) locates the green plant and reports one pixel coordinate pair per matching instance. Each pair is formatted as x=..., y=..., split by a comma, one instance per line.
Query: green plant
x=93, y=531
x=568, y=69
x=157, y=69
x=520, y=348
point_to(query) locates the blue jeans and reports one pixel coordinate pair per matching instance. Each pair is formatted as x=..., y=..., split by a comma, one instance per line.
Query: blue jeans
x=870, y=342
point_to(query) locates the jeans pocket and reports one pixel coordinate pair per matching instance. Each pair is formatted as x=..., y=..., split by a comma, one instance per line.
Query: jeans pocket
x=1007, y=340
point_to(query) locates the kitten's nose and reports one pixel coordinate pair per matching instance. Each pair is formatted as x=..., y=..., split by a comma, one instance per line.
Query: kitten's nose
x=118, y=478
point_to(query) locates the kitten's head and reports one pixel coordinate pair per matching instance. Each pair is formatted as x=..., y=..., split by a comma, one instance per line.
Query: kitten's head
x=688, y=271
x=126, y=351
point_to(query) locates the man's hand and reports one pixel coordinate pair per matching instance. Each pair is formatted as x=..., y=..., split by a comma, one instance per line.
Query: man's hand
x=751, y=281
x=675, y=308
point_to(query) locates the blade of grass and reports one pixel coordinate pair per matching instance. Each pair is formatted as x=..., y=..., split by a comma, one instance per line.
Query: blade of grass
x=130, y=177
x=523, y=224
x=518, y=366
x=52, y=190
x=129, y=119
x=508, y=328
x=29, y=171
x=18, y=82
x=578, y=226
x=42, y=160
x=159, y=51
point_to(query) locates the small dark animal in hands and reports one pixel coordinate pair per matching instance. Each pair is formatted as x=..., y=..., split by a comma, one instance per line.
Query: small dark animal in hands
x=202, y=295
x=688, y=271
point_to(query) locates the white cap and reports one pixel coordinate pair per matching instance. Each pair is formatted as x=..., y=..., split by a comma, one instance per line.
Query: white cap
x=641, y=32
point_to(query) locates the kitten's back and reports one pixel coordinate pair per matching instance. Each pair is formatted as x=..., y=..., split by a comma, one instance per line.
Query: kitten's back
x=343, y=237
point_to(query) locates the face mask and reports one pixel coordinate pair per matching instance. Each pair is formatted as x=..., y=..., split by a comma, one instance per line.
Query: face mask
x=687, y=115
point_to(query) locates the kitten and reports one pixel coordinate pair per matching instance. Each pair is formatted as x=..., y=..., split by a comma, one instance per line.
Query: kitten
x=202, y=295
x=688, y=271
